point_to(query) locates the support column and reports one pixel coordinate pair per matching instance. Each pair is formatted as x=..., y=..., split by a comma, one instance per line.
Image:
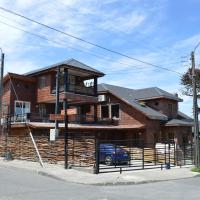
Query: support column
x=95, y=87
x=57, y=107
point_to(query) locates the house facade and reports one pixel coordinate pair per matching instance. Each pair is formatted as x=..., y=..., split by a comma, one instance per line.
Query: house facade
x=153, y=110
x=104, y=111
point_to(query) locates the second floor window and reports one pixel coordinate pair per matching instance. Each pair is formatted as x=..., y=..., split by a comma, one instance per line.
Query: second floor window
x=105, y=111
x=170, y=109
x=42, y=82
x=110, y=111
x=115, y=111
x=22, y=107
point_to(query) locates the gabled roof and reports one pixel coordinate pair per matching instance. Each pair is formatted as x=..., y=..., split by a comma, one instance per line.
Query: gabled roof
x=141, y=94
x=71, y=63
x=184, y=116
x=154, y=92
x=9, y=76
x=127, y=95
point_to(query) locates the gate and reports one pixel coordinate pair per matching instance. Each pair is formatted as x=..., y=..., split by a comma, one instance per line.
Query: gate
x=127, y=155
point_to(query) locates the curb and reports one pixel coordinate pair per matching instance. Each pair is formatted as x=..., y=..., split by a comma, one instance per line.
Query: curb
x=114, y=183
x=47, y=174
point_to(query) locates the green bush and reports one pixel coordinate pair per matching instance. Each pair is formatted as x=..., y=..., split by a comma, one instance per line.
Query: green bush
x=196, y=169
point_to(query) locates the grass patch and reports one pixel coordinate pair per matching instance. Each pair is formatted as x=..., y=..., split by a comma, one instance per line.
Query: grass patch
x=196, y=169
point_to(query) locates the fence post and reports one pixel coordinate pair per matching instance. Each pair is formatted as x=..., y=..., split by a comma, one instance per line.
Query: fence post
x=184, y=152
x=97, y=146
x=191, y=154
x=165, y=154
x=169, y=152
x=155, y=156
x=174, y=154
x=143, y=156
x=115, y=154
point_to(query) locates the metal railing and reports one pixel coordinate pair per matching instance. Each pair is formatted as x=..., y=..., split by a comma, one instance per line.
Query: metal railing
x=77, y=89
x=128, y=155
x=76, y=119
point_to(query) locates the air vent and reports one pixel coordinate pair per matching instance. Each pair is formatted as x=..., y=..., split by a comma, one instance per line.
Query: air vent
x=101, y=98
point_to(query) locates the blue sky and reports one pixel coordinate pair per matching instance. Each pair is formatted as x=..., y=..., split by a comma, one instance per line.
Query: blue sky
x=162, y=32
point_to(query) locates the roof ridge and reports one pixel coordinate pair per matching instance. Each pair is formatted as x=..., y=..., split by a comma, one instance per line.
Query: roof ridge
x=118, y=86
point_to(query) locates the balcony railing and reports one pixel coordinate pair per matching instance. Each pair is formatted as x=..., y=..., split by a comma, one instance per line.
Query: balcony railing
x=77, y=89
x=36, y=117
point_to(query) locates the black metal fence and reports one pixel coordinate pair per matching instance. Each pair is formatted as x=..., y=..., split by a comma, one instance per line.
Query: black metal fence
x=127, y=155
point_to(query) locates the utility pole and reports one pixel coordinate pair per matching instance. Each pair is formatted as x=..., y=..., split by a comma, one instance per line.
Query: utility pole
x=1, y=88
x=65, y=107
x=195, y=113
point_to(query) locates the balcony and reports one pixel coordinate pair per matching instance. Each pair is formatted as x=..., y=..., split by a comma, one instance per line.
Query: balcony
x=77, y=89
x=75, y=119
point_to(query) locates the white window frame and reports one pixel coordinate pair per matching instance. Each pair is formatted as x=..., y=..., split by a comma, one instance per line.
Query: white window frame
x=22, y=103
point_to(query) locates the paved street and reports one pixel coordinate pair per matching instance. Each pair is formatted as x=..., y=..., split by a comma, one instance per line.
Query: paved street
x=21, y=184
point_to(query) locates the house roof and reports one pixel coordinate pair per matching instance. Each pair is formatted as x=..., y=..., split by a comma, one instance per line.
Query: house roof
x=71, y=63
x=141, y=94
x=178, y=122
x=127, y=95
x=154, y=92
x=184, y=116
x=9, y=76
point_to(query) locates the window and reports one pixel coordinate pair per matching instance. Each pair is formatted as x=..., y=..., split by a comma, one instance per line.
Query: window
x=110, y=111
x=22, y=107
x=170, y=109
x=156, y=103
x=42, y=82
x=105, y=111
x=115, y=111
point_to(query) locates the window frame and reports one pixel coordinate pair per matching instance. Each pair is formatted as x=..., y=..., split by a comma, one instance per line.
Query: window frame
x=42, y=82
x=22, y=106
x=106, y=105
x=110, y=111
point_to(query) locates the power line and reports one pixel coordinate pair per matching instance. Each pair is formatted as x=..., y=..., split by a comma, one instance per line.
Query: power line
x=99, y=57
x=88, y=42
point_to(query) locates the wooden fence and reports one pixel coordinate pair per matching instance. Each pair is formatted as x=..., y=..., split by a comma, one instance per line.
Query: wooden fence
x=81, y=150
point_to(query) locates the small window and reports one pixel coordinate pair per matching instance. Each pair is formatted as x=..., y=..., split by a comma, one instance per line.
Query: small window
x=42, y=82
x=115, y=111
x=105, y=111
x=156, y=103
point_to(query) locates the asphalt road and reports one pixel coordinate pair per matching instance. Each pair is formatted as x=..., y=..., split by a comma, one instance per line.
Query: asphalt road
x=25, y=185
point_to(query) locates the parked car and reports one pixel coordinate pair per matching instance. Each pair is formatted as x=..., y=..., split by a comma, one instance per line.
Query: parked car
x=111, y=154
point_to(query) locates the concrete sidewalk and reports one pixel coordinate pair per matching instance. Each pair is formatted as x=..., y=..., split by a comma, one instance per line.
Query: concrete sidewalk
x=76, y=176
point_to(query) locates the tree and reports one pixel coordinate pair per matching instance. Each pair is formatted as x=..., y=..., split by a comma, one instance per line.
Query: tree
x=186, y=81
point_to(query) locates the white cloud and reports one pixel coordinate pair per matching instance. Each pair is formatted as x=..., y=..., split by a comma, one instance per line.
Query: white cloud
x=126, y=23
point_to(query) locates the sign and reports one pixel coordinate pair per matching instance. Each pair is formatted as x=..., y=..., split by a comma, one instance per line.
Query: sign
x=52, y=134
x=71, y=111
x=56, y=117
